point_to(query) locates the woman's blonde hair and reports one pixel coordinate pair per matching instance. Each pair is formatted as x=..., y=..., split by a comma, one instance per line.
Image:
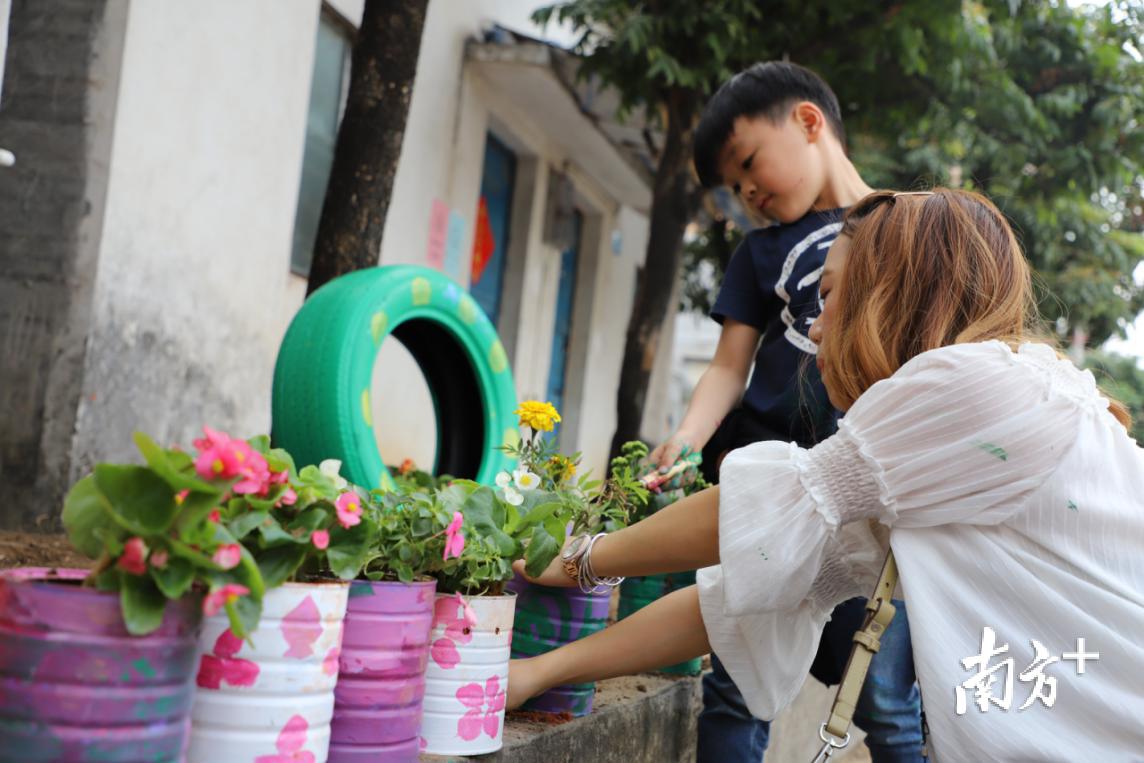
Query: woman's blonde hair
x=925, y=270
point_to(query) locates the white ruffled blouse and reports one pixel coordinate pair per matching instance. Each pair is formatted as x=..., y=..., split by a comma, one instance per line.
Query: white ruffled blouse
x=1014, y=501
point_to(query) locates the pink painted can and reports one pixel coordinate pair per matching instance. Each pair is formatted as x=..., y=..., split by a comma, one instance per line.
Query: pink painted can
x=466, y=681
x=381, y=679
x=76, y=686
x=270, y=698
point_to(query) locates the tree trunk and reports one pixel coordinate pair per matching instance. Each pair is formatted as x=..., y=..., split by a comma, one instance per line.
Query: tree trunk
x=675, y=200
x=369, y=140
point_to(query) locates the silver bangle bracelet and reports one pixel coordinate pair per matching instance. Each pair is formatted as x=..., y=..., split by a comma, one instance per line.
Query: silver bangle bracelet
x=590, y=583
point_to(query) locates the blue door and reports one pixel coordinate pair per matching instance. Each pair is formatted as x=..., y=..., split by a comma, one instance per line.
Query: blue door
x=490, y=242
x=562, y=330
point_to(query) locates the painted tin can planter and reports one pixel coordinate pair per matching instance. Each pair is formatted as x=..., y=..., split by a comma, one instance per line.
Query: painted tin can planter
x=76, y=686
x=381, y=672
x=637, y=593
x=271, y=698
x=467, y=676
x=547, y=618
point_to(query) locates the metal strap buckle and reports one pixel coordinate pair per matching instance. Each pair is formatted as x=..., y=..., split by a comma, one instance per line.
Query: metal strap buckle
x=830, y=744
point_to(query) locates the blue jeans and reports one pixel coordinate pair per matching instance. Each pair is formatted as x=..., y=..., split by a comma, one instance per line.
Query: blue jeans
x=889, y=708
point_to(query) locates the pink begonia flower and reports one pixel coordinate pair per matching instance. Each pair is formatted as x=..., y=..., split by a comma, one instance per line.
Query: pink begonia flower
x=216, y=459
x=213, y=438
x=320, y=539
x=223, y=457
x=221, y=596
x=215, y=515
x=159, y=559
x=134, y=558
x=253, y=468
x=288, y=498
x=454, y=540
x=181, y=496
x=228, y=556
x=348, y=507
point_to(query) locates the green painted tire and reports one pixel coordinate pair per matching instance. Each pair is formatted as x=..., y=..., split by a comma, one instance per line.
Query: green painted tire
x=322, y=379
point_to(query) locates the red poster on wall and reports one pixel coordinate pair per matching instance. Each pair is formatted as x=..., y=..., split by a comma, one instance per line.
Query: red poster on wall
x=483, y=242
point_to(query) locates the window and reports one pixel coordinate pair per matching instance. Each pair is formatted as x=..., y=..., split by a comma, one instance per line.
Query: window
x=327, y=101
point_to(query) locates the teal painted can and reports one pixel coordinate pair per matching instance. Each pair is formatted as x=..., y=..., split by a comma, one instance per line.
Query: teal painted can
x=547, y=618
x=637, y=593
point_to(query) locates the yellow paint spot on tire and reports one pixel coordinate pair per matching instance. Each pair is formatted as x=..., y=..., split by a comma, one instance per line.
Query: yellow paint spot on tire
x=366, y=412
x=498, y=361
x=386, y=483
x=422, y=291
x=467, y=310
x=378, y=325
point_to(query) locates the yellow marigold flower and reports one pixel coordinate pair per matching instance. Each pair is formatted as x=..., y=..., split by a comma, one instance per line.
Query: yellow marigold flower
x=561, y=468
x=537, y=415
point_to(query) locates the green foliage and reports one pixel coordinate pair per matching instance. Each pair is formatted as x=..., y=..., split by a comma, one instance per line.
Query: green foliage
x=650, y=51
x=1120, y=377
x=614, y=504
x=228, y=525
x=282, y=530
x=1037, y=104
x=151, y=540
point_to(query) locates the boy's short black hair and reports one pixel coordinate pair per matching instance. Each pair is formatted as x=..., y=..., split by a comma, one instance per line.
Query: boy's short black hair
x=765, y=89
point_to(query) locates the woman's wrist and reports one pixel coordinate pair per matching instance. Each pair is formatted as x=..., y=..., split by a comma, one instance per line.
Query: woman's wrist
x=580, y=564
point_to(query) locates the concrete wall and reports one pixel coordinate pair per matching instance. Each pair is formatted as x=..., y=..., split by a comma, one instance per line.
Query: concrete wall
x=61, y=80
x=194, y=290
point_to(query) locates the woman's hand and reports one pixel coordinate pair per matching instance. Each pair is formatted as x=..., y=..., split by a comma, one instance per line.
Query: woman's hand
x=553, y=575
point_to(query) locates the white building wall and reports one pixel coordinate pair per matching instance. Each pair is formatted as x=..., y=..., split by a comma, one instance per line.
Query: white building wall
x=194, y=292
x=451, y=112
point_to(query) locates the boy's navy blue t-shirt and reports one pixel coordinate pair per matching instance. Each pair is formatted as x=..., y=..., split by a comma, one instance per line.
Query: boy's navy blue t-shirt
x=772, y=284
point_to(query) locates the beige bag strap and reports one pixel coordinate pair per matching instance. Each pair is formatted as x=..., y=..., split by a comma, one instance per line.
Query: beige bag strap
x=835, y=733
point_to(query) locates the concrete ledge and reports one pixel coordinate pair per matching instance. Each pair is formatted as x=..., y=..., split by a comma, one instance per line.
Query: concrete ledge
x=636, y=719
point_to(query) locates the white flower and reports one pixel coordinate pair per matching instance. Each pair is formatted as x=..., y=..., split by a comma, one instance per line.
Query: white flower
x=330, y=468
x=526, y=480
x=512, y=497
x=503, y=479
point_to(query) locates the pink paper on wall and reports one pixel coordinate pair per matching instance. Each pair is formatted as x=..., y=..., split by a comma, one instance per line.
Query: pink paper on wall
x=438, y=233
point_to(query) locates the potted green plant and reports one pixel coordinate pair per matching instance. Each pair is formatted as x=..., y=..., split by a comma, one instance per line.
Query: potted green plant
x=522, y=517
x=385, y=649
x=105, y=657
x=551, y=617
x=271, y=687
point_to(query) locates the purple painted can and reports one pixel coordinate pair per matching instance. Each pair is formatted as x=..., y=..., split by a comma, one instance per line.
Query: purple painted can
x=381, y=672
x=76, y=686
x=547, y=618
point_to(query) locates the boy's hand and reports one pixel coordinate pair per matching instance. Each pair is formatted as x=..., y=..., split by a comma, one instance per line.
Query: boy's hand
x=683, y=472
x=665, y=456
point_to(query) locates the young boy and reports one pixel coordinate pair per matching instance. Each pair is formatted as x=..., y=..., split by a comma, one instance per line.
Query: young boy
x=774, y=135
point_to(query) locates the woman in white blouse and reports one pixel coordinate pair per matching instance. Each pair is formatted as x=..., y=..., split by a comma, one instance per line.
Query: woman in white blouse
x=1011, y=491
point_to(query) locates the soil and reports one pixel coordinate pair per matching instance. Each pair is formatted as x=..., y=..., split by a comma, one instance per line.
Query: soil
x=19, y=549
x=533, y=716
